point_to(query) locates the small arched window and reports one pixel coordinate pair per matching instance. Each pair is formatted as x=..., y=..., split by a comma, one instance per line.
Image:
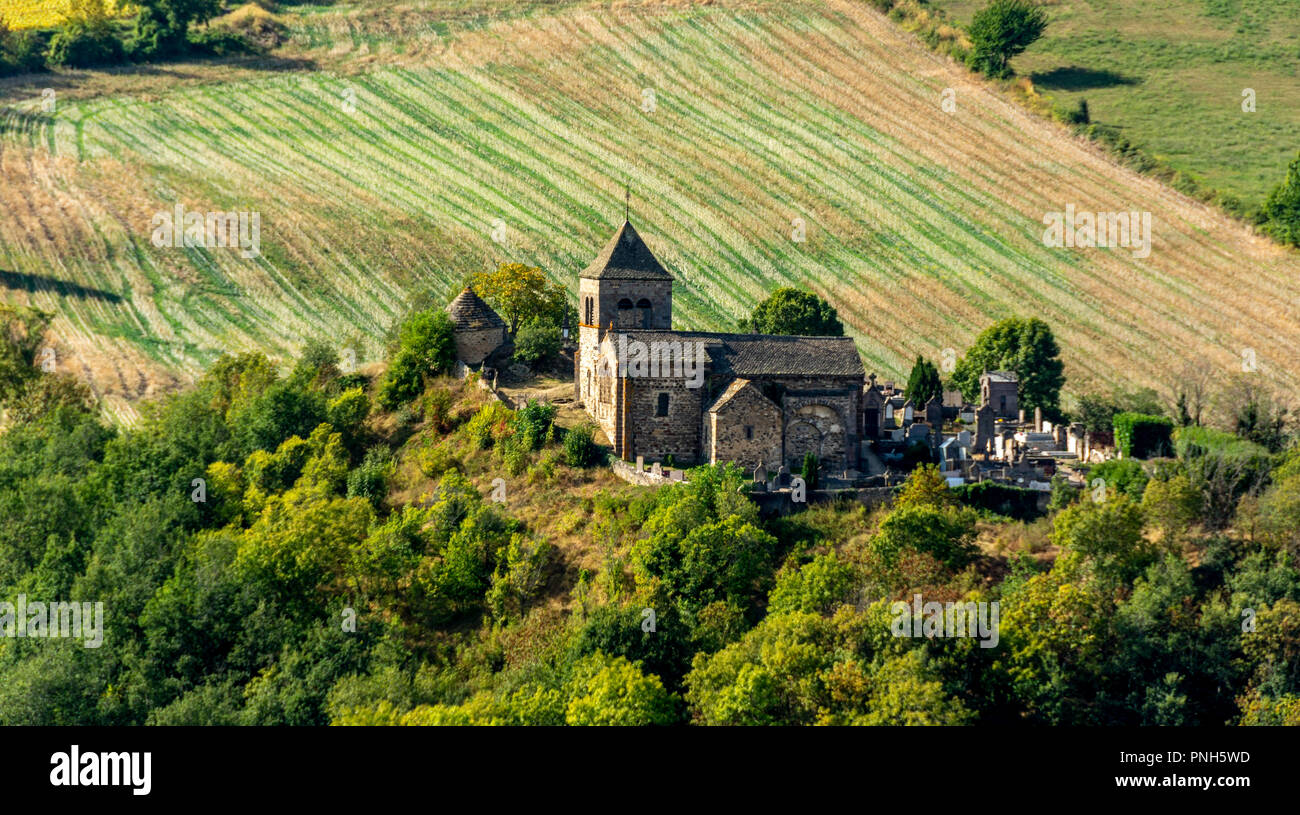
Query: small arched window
x=661, y=409
x=647, y=311
x=591, y=312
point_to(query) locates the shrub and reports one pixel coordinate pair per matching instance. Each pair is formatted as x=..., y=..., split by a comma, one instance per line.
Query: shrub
x=370, y=479
x=426, y=346
x=1013, y=502
x=1139, y=435
x=82, y=46
x=947, y=534
x=220, y=43
x=808, y=470
x=1078, y=115
x=537, y=341
x=580, y=447
x=490, y=425
x=1124, y=476
x=1281, y=211
x=22, y=52
x=532, y=423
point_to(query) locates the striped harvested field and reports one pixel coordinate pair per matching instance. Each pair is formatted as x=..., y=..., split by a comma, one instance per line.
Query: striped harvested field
x=513, y=141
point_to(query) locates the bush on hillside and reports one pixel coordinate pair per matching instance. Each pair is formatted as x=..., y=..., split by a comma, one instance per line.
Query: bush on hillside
x=83, y=46
x=537, y=341
x=1140, y=435
x=426, y=347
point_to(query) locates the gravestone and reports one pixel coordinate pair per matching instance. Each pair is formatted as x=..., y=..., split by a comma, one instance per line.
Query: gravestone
x=640, y=464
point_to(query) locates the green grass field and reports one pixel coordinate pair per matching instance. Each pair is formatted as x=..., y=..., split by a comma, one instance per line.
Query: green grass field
x=385, y=173
x=1170, y=74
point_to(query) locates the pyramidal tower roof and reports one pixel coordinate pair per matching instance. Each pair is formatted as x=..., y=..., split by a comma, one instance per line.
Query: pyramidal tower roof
x=626, y=257
x=468, y=311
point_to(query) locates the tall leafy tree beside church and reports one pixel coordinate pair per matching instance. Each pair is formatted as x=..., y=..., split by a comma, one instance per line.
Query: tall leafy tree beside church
x=794, y=311
x=1025, y=347
x=521, y=293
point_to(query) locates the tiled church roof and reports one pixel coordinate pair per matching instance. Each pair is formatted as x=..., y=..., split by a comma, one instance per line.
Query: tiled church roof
x=759, y=355
x=626, y=257
x=469, y=312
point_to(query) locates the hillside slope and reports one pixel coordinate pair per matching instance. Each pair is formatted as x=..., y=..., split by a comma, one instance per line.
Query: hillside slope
x=921, y=226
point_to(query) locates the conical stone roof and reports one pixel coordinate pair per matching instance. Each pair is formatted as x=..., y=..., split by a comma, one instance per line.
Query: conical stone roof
x=468, y=312
x=626, y=257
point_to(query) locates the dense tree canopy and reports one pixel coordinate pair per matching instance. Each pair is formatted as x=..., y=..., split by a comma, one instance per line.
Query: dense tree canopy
x=794, y=311
x=1025, y=347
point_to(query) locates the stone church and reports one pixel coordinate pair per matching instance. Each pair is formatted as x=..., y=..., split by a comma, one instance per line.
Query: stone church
x=747, y=398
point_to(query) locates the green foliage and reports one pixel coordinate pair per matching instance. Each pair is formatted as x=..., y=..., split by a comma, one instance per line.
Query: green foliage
x=817, y=587
x=580, y=446
x=370, y=479
x=1106, y=534
x=162, y=26
x=532, y=423
x=489, y=425
x=21, y=52
x=808, y=469
x=612, y=691
x=537, y=341
x=622, y=631
x=1122, y=475
x=923, y=384
x=1141, y=436
x=947, y=534
x=1025, y=347
x=794, y=311
x=1221, y=468
x=703, y=542
x=1000, y=31
x=426, y=347
x=1281, y=210
x=22, y=330
x=79, y=46
x=1017, y=503
x=1097, y=413
x=925, y=487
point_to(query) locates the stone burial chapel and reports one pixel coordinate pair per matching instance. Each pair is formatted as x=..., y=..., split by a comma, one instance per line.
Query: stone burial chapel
x=759, y=398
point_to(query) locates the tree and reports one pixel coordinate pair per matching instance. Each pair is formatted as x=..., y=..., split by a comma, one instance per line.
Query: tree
x=925, y=487
x=923, y=384
x=947, y=534
x=792, y=311
x=86, y=38
x=1000, y=31
x=521, y=293
x=162, y=27
x=537, y=341
x=426, y=346
x=1108, y=534
x=1281, y=210
x=615, y=692
x=1025, y=347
